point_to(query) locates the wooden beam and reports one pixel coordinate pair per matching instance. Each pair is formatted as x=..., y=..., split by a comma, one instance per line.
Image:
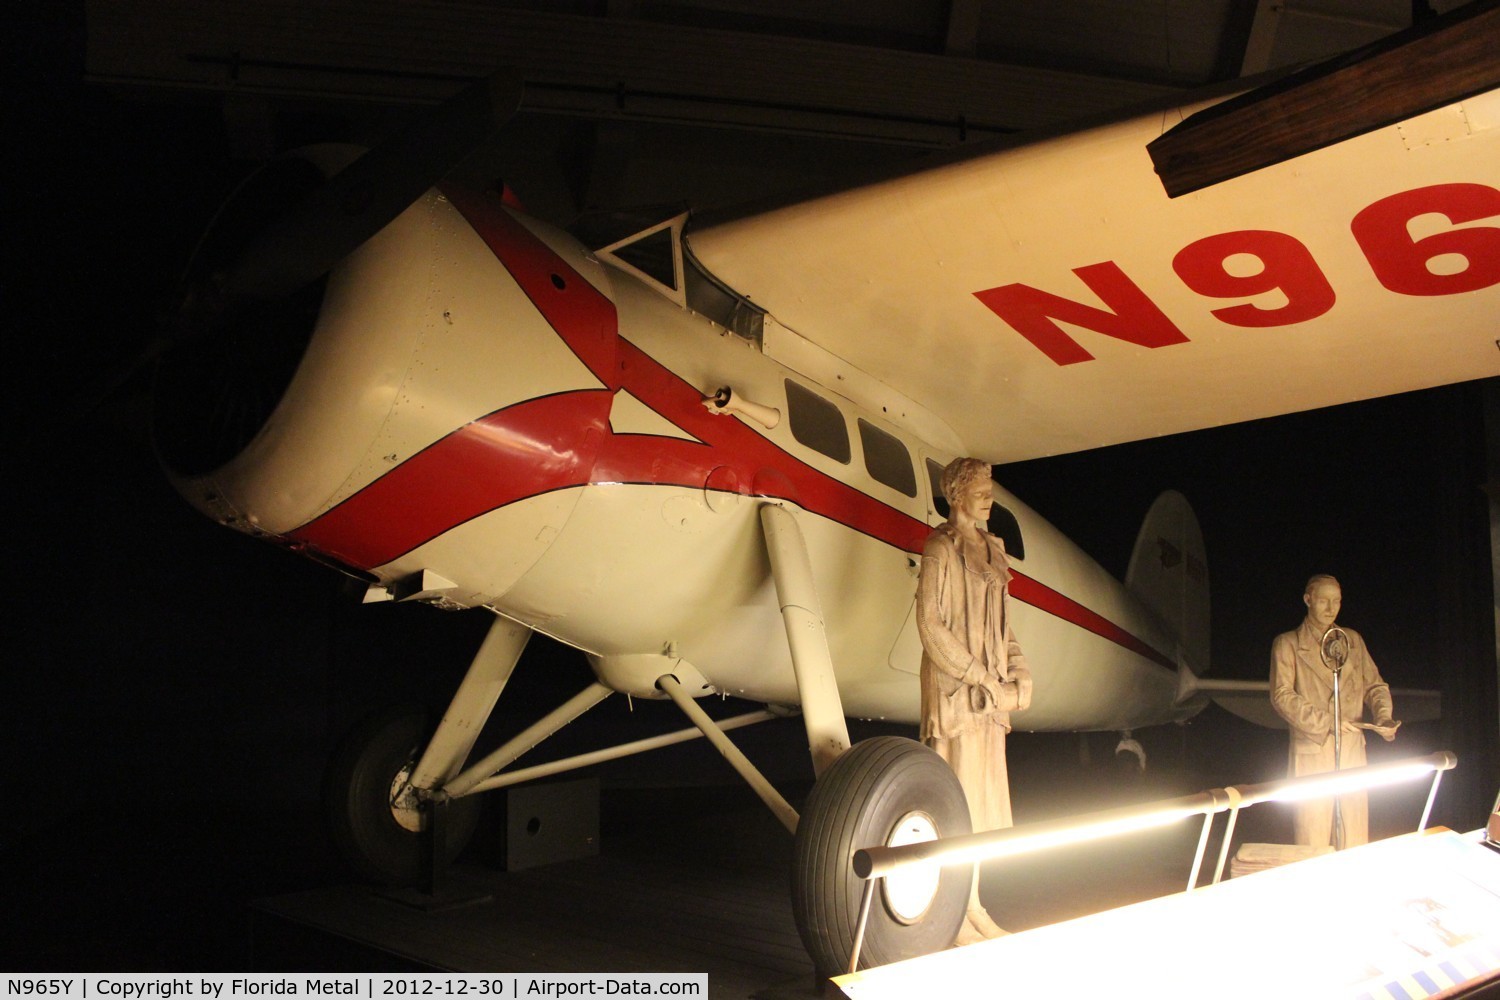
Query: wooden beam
x=1437, y=64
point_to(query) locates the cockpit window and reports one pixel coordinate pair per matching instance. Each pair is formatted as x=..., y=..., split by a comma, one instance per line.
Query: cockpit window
x=817, y=423
x=652, y=255
x=709, y=297
x=887, y=459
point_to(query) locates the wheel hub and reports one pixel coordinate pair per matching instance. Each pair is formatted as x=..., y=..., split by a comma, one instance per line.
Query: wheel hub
x=908, y=893
x=406, y=807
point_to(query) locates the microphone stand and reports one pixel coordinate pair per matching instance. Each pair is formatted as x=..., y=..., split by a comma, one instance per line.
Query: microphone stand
x=1334, y=649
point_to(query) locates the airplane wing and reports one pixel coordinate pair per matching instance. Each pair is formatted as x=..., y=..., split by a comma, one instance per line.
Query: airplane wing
x=1251, y=701
x=1049, y=297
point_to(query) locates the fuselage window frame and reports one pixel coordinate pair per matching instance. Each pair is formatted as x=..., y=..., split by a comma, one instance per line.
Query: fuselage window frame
x=887, y=459
x=1004, y=526
x=817, y=423
x=935, y=479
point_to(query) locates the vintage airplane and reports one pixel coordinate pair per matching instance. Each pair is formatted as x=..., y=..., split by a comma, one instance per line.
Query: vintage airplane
x=706, y=453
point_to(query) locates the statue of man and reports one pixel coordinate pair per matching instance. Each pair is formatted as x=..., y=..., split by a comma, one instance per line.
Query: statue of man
x=973, y=673
x=1302, y=693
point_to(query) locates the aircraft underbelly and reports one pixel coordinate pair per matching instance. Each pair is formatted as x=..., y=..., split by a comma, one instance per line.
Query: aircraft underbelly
x=1084, y=681
x=651, y=569
x=484, y=556
x=681, y=572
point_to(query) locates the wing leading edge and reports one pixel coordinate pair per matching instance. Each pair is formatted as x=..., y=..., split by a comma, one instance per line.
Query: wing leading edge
x=1051, y=297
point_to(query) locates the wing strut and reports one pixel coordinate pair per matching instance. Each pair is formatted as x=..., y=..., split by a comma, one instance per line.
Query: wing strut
x=769, y=795
x=533, y=734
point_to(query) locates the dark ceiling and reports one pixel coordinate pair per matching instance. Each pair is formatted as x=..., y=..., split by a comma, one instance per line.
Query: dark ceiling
x=160, y=661
x=637, y=102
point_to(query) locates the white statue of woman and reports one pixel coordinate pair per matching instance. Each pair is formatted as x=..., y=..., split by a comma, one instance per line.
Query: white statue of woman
x=973, y=673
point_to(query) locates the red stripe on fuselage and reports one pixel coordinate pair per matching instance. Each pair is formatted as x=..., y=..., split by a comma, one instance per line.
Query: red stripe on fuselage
x=1044, y=598
x=521, y=451
x=563, y=441
x=582, y=316
x=733, y=444
x=578, y=312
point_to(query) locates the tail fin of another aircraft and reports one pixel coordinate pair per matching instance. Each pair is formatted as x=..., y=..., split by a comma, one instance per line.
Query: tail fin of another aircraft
x=1168, y=574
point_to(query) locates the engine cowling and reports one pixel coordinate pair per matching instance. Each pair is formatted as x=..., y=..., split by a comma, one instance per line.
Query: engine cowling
x=408, y=396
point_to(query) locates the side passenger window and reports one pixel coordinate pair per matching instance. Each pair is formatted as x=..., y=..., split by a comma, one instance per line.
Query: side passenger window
x=935, y=477
x=887, y=460
x=1004, y=526
x=817, y=423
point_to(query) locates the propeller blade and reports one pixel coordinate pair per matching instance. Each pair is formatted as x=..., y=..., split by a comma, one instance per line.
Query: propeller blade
x=1439, y=63
x=360, y=200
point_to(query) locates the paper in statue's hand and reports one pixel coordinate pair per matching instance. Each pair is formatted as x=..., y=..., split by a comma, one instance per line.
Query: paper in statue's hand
x=1387, y=732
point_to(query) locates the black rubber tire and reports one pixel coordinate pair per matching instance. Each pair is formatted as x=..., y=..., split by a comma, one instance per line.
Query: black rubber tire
x=856, y=803
x=356, y=791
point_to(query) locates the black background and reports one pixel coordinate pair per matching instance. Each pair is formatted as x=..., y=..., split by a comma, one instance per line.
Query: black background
x=173, y=688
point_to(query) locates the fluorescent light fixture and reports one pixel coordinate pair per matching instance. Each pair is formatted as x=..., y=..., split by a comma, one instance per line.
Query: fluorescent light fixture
x=877, y=862
x=1344, y=782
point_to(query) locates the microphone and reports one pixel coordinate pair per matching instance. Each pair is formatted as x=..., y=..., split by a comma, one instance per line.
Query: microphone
x=1334, y=649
